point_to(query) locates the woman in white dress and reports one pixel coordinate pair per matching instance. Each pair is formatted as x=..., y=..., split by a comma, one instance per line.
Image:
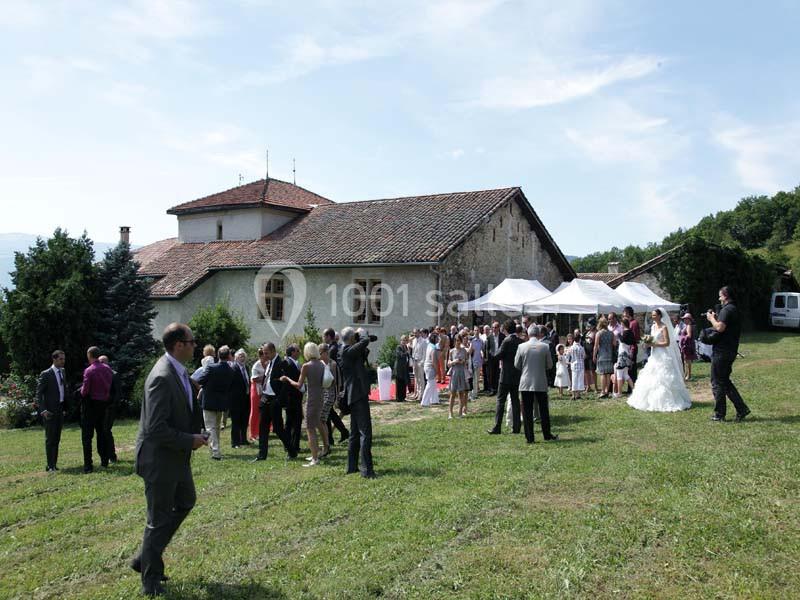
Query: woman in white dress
x=660, y=386
x=431, y=393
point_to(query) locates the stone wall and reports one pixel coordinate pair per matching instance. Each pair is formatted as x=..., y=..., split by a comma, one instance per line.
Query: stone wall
x=505, y=246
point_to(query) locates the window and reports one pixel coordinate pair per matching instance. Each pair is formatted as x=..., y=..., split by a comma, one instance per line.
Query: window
x=780, y=301
x=791, y=302
x=493, y=236
x=273, y=299
x=367, y=301
x=219, y=230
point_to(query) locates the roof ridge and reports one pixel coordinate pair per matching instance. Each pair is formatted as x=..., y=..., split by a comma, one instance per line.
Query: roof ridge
x=395, y=199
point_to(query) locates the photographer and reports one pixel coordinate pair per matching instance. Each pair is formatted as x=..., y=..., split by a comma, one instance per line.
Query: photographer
x=728, y=326
x=356, y=383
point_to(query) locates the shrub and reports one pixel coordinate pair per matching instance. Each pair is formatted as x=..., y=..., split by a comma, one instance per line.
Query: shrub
x=218, y=326
x=134, y=404
x=386, y=353
x=310, y=330
x=17, y=396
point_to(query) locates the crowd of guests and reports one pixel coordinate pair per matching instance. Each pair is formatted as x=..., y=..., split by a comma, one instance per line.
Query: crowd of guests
x=277, y=395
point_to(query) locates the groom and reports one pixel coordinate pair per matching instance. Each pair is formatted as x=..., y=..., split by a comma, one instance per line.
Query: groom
x=729, y=326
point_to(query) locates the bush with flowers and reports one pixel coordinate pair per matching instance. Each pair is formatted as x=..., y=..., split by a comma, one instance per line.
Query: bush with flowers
x=17, y=396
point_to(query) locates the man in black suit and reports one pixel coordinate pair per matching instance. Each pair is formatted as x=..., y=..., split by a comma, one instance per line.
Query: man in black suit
x=50, y=396
x=509, y=379
x=292, y=400
x=163, y=453
x=240, y=400
x=401, y=362
x=270, y=410
x=217, y=383
x=334, y=420
x=356, y=383
x=494, y=360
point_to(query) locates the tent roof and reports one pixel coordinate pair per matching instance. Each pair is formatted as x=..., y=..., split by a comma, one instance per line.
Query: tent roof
x=509, y=296
x=580, y=296
x=640, y=294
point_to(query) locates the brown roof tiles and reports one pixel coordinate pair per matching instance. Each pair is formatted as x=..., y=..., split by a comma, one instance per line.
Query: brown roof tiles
x=418, y=229
x=272, y=192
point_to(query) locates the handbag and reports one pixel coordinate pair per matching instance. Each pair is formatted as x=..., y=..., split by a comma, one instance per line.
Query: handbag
x=327, y=377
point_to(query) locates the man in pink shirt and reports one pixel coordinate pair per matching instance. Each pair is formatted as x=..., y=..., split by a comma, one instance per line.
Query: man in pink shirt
x=95, y=393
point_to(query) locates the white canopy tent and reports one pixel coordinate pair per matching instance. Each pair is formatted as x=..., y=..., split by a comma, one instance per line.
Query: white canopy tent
x=508, y=297
x=638, y=294
x=581, y=296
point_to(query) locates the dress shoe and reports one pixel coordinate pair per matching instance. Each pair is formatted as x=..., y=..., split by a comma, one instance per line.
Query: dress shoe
x=258, y=458
x=104, y=464
x=493, y=432
x=235, y=447
x=552, y=438
x=741, y=416
x=136, y=565
x=325, y=453
x=50, y=470
x=351, y=472
x=718, y=418
x=88, y=469
x=216, y=458
x=369, y=476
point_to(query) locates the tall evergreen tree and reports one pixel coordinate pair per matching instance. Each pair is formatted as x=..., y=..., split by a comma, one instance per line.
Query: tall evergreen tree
x=125, y=316
x=53, y=304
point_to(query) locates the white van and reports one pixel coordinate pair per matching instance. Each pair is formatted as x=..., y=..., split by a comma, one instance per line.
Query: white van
x=784, y=309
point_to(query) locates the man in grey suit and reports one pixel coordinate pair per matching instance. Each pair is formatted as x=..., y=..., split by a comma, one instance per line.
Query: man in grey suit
x=533, y=359
x=163, y=452
x=50, y=396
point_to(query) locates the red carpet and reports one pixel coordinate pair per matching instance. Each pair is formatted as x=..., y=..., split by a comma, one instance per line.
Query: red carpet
x=374, y=396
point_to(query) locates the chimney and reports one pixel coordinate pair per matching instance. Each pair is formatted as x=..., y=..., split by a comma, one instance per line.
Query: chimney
x=613, y=267
x=125, y=234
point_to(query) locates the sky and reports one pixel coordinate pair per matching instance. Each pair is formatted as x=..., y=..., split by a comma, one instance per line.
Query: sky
x=620, y=120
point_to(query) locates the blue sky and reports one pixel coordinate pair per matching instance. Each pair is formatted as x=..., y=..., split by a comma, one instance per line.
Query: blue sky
x=620, y=120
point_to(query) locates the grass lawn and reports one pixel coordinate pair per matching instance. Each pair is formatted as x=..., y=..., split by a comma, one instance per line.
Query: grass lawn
x=626, y=504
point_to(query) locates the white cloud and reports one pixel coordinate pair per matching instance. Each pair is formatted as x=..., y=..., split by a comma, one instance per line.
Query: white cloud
x=661, y=208
x=545, y=82
x=21, y=14
x=47, y=73
x=163, y=19
x=765, y=158
x=457, y=153
x=617, y=133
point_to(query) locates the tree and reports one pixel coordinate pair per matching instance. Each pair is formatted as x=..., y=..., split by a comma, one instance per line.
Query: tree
x=5, y=364
x=53, y=304
x=311, y=332
x=218, y=326
x=124, y=328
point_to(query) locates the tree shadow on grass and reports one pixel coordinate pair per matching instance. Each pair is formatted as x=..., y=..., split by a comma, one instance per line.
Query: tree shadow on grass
x=561, y=420
x=569, y=440
x=213, y=590
x=117, y=470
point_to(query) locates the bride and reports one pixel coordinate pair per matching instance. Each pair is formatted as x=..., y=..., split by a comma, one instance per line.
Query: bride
x=660, y=386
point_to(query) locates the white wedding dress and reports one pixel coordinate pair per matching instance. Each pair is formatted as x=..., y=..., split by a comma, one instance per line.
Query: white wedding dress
x=660, y=386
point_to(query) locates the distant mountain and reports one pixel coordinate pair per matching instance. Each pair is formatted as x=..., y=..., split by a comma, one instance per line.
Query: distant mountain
x=20, y=242
x=570, y=258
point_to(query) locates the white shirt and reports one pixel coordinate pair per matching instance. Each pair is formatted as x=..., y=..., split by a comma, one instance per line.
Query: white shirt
x=267, y=387
x=420, y=349
x=60, y=380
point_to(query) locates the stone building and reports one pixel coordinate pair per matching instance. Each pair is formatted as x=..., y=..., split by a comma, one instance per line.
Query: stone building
x=269, y=248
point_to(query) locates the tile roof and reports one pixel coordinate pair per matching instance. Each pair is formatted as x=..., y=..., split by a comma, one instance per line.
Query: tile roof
x=146, y=254
x=604, y=277
x=418, y=229
x=272, y=192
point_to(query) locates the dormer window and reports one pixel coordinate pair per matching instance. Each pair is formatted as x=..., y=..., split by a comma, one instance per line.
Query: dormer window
x=219, y=230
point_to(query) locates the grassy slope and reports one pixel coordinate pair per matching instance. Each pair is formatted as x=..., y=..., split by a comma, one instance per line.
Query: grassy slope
x=627, y=503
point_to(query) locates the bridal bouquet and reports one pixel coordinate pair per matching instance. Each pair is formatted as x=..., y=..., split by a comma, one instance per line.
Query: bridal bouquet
x=647, y=340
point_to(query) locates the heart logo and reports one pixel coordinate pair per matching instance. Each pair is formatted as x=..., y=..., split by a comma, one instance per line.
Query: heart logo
x=289, y=279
